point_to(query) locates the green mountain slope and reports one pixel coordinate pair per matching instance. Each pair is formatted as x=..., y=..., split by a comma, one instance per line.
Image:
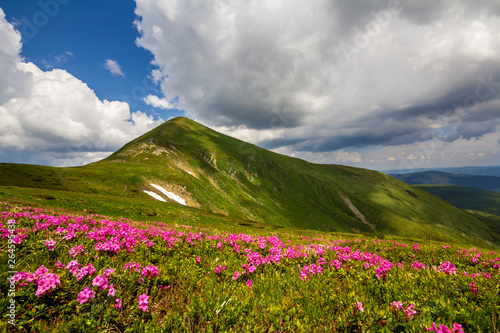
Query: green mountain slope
x=467, y=197
x=221, y=175
x=444, y=178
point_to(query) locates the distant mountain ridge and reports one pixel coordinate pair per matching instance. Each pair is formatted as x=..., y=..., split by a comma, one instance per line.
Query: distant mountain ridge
x=217, y=175
x=472, y=170
x=467, y=197
x=490, y=183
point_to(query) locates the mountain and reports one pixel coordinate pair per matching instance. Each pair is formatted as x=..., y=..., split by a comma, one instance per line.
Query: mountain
x=467, y=197
x=443, y=178
x=472, y=170
x=200, y=174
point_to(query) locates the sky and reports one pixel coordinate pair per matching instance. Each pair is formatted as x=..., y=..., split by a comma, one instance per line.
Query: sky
x=382, y=84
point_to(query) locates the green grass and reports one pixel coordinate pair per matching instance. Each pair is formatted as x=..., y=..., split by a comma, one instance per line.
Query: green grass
x=194, y=289
x=467, y=197
x=235, y=181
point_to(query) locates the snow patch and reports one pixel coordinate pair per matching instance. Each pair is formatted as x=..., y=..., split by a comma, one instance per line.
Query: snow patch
x=154, y=195
x=188, y=172
x=170, y=195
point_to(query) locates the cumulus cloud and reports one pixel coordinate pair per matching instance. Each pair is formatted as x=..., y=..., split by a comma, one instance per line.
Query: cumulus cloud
x=328, y=75
x=51, y=117
x=113, y=67
x=158, y=102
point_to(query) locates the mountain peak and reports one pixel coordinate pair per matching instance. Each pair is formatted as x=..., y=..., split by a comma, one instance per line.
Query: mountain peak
x=179, y=131
x=182, y=161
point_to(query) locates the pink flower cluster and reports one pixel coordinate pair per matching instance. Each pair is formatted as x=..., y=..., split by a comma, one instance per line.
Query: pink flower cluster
x=457, y=328
x=76, y=250
x=133, y=266
x=47, y=282
x=308, y=270
x=50, y=244
x=42, y=278
x=85, y=295
x=447, y=267
x=150, y=271
x=108, y=272
x=144, y=302
x=218, y=269
x=114, y=237
x=473, y=287
x=418, y=265
x=84, y=271
x=100, y=281
x=409, y=311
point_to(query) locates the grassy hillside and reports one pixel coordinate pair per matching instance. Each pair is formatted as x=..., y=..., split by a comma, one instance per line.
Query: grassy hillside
x=467, y=197
x=99, y=274
x=226, y=178
x=443, y=178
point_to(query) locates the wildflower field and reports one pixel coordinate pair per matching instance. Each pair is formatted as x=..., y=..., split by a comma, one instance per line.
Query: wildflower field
x=63, y=272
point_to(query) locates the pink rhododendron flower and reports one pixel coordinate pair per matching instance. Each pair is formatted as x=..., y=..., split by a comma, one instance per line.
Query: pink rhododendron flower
x=150, y=270
x=144, y=302
x=457, y=328
x=72, y=266
x=85, y=294
x=100, y=281
x=41, y=271
x=337, y=264
x=219, y=269
x=397, y=305
x=236, y=275
x=410, y=312
x=418, y=265
x=107, y=273
x=249, y=283
x=118, y=303
x=112, y=290
x=84, y=271
x=59, y=265
x=448, y=268
x=74, y=251
x=46, y=282
x=26, y=276
x=133, y=266
x=69, y=236
x=473, y=287
x=360, y=306
x=50, y=244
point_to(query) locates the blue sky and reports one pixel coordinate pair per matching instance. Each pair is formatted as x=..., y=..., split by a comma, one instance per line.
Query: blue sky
x=79, y=36
x=382, y=84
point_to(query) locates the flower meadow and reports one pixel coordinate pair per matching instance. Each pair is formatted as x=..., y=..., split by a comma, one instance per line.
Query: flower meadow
x=96, y=274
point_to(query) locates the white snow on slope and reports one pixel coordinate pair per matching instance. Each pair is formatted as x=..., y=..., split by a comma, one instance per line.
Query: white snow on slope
x=188, y=172
x=156, y=196
x=170, y=195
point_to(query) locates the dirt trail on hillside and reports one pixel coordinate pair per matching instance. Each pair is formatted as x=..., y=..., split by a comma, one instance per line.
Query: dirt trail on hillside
x=356, y=211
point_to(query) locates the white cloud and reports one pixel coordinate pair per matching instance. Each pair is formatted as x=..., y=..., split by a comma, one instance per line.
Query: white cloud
x=157, y=102
x=113, y=67
x=50, y=116
x=343, y=156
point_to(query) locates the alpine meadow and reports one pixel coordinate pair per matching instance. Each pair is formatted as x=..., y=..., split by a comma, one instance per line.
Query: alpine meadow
x=187, y=229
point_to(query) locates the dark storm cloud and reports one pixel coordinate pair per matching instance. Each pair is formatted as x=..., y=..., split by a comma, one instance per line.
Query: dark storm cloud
x=333, y=74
